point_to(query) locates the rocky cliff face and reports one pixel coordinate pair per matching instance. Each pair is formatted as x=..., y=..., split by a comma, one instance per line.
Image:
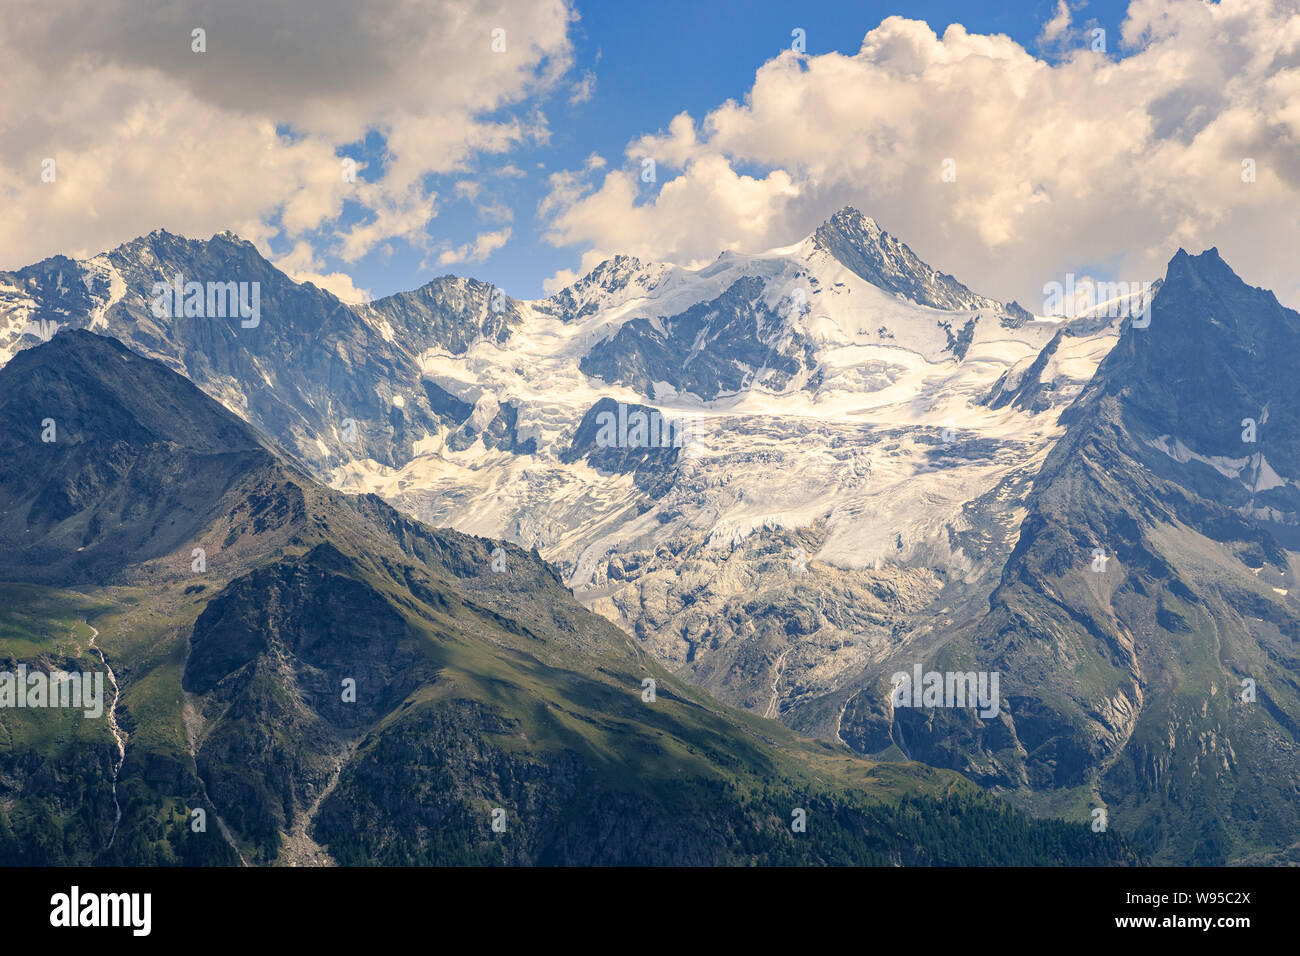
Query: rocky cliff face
x=881, y=259
x=1145, y=624
x=336, y=682
x=327, y=381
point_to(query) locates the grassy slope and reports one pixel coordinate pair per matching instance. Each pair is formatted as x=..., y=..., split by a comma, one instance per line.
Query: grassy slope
x=683, y=754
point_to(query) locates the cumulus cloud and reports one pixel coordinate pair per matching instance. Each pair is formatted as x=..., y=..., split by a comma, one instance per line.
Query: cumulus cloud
x=1094, y=162
x=145, y=132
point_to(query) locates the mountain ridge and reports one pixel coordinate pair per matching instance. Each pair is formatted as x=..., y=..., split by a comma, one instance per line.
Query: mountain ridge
x=1162, y=582
x=338, y=682
x=868, y=480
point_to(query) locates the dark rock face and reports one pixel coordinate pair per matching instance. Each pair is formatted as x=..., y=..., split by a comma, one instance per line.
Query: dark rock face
x=1163, y=677
x=136, y=459
x=1016, y=315
x=1030, y=392
x=760, y=347
x=1217, y=351
x=651, y=459
x=501, y=431
x=446, y=405
x=876, y=256
x=273, y=654
x=328, y=381
x=959, y=341
x=315, y=611
x=450, y=313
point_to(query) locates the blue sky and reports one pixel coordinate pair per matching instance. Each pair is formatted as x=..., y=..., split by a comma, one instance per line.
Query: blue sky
x=651, y=63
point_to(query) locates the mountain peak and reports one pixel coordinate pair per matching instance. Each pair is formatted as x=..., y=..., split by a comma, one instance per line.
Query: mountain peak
x=1205, y=271
x=1205, y=264
x=230, y=236
x=857, y=242
x=850, y=219
x=614, y=269
x=79, y=374
x=124, y=467
x=619, y=275
x=160, y=241
x=1214, y=350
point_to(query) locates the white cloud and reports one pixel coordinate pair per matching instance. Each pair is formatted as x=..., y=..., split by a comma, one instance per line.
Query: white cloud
x=484, y=245
x=246, y=136
x=1056, y=28
x=1089, y=162
x=495, y=212
x=555, y=283
x=302, y=265
x=583, y=89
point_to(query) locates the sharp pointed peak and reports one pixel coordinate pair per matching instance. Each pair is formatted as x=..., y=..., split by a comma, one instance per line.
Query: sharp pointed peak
x=859, y=243
x=850, y=217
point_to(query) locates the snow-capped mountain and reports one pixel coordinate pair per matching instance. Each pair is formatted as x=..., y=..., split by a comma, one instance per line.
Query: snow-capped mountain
x=882, y=443
x=784, y=472
x=846, y=409
x=792, y=473
x=327, y=381
x=1146, y=624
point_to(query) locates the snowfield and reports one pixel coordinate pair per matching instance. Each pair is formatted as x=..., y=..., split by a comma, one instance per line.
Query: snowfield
x=861, y=449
